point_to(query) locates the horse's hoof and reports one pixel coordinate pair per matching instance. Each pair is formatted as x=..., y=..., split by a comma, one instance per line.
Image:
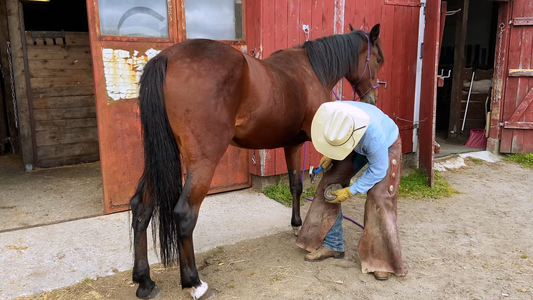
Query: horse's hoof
x=296, y=230
x=156, y=291
x=208, y=294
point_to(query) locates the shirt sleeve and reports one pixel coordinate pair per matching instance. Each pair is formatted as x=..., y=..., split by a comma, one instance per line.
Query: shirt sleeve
x=378, y=164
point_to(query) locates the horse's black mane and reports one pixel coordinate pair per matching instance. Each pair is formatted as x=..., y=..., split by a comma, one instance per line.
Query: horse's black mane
x=333, y=57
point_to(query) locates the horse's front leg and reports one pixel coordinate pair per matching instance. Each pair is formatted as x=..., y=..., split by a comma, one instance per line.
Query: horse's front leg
x=142, y=213
x=293, y=157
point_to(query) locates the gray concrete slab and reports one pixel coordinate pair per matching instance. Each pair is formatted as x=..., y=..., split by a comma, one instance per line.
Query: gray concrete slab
x=448, y=148
x=47, y=196
x=458, y=161
x=59, y=255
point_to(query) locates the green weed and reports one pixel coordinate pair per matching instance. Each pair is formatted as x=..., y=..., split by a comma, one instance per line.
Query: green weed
x=87, y=280
x=525, y=160
x=415, y=185
x=281, y=193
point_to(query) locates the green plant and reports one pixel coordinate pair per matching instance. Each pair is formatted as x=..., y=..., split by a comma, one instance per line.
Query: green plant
x=87, y=280
x=525, y=160
x=281, y=193
x=415, y=185
x=476, y=160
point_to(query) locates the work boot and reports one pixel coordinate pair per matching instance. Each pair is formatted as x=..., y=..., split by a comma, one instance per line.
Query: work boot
x=322, y=253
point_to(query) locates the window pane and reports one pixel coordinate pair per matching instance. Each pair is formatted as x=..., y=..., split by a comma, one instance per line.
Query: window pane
x=214, y=19
x=138, y=18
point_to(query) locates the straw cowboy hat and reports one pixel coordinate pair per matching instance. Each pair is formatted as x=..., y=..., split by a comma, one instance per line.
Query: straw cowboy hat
x=337, y=127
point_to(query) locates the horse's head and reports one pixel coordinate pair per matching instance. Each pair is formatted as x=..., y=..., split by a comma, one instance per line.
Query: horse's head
x=363, y=78
x=356, y=56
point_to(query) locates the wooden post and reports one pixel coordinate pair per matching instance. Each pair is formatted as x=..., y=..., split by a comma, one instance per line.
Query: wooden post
x=9, y=130
x=454, y=125
x=5, y=79
x=500, y=80
x=21, y=88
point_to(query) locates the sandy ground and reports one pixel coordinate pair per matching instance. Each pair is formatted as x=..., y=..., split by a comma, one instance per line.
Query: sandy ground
x=476, y=245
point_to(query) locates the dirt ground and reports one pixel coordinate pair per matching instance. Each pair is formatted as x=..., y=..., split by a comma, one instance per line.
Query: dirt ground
x=476, y=245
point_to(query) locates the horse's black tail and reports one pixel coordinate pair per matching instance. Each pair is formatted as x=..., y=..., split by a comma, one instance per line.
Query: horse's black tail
x=160, y=185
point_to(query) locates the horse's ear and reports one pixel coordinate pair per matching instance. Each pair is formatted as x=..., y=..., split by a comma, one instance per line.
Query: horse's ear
x=374, y=34
x=351, y=28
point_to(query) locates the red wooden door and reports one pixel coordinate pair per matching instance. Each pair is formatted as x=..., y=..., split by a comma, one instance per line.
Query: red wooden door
x=428, y=98
x=517, y=108
x=119, y=52
x=399, y=21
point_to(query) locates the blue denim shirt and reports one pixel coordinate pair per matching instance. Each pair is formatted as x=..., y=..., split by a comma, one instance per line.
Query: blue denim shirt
x=381, y=133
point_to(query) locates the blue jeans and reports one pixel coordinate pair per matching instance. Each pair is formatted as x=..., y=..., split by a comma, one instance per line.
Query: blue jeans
x=334, y=240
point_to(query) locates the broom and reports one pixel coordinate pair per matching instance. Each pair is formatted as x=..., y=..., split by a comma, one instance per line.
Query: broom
x=477, y=137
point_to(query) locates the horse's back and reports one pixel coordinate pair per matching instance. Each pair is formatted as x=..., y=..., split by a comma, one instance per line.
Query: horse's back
x=261, y=103
x=203, y=54
x=203, y=72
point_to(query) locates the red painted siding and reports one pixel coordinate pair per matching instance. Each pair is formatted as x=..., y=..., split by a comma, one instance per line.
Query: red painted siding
x=281, y=27
x=516, y=110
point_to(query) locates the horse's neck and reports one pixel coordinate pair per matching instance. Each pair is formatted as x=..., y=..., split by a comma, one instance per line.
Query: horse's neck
x=289, y=60
x=294, y=61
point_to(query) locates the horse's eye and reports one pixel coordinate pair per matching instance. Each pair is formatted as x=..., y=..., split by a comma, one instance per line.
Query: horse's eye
x=380, y=60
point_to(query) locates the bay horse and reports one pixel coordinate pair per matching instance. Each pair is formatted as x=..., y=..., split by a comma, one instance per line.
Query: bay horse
x=200, y=96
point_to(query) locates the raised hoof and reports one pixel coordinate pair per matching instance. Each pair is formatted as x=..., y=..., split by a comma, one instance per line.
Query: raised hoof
x=208, y=294
x=156, y=291
x=296, y=230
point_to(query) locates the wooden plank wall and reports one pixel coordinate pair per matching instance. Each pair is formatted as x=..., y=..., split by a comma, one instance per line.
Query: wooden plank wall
x=62, y=92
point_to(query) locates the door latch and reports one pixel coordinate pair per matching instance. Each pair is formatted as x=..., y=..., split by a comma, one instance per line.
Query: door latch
x=382, y=82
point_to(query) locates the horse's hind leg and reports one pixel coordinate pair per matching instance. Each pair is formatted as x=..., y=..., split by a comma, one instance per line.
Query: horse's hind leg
x=293, y=157
x=206, y=153
x=142, y=214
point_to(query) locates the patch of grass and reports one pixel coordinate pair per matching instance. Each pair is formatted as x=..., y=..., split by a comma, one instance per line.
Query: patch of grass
x=476, y=160
x=415, y=185
x=281, y=192
x=524, y=256
x=525, y=160
x=309, y=192
x=87, y=280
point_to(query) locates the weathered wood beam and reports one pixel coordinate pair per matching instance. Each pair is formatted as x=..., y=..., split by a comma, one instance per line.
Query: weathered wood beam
x=6, y=109
x=454, y=125
x=16, y=32
x=500, y=73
